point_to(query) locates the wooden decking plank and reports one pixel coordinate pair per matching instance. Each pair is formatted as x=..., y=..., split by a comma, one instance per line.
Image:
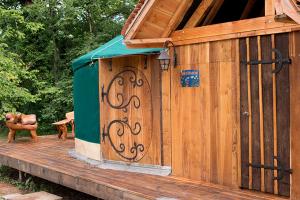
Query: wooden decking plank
x=49, y=159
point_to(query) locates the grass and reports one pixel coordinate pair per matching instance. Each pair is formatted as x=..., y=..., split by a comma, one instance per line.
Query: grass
x=3, y=133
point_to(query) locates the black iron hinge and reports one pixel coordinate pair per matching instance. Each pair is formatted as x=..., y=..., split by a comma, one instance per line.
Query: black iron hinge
x=279, y=61
x=104, y=134
x=103, y=94
x=281, y=170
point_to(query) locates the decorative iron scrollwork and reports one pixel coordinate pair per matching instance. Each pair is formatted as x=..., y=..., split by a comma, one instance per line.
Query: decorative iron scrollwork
x=116, y=132
x=120, y=80
x=121, y=149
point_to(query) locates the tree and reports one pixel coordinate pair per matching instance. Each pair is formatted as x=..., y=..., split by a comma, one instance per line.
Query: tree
x=45, y=36
x=13, y=71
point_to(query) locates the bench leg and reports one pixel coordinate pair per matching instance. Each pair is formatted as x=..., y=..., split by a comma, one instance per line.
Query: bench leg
x=34, y=135
x=62, y=131
x=73, y=129
x=11, y=135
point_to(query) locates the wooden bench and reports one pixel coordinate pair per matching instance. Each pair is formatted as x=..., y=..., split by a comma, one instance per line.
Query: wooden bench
x=62, y=126
x=17, y=122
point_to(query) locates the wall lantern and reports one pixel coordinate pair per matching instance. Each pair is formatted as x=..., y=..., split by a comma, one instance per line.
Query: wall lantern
x=164, y=57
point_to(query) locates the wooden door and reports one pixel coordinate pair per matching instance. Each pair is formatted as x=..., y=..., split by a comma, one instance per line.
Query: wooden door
x=130, y=128
x=265, y=114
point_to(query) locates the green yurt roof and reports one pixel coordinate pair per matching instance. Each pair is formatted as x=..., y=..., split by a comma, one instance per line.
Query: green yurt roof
x=113, y=48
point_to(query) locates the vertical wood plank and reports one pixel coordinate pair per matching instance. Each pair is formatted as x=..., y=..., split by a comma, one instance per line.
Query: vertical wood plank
x=156, y=88
x=176, y=113
x=283, y=113
x=244, y=118
x=250, y=112
x=274, y=115
x=166, y=117
x=214, y=74
x=261, y=113
x=266, y=45
x=295, y=105
x=255, y=115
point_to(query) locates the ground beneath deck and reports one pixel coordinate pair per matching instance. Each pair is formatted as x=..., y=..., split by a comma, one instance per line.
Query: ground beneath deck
x=49, y=159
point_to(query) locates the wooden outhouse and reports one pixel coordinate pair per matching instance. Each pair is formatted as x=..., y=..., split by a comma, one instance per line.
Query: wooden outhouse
x=225, y=110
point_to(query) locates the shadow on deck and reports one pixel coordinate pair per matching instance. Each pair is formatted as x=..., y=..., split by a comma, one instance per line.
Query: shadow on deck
x=49, y=159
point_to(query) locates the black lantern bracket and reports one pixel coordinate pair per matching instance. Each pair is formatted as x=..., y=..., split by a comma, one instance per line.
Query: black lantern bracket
x=164, y=57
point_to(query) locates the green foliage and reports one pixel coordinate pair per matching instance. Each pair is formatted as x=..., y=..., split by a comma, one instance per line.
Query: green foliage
x=13, y=71
x=38, y=41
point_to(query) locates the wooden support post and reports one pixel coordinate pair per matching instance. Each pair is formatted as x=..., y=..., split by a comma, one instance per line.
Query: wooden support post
x=20, y=176
x=295, y=105
x=269, y=7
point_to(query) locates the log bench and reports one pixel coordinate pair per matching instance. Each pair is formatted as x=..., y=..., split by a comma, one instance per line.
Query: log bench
x=17, y=122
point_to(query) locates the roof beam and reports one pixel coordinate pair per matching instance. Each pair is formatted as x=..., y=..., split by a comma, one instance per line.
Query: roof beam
x=288, y=8
x=213, y=12
x=255, y=26
x=146, y=43
x=248, y=9
x=199, y=14
x=140, y=19
x=177, y=17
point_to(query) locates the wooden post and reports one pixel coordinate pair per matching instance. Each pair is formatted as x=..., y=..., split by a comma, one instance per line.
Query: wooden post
x=295, y=108
x=269, y=7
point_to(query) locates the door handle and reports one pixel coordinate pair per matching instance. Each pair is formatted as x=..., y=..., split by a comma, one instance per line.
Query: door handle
x=246, y=114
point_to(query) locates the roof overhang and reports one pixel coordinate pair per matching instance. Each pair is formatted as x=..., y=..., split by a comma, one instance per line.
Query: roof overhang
x=155, y=21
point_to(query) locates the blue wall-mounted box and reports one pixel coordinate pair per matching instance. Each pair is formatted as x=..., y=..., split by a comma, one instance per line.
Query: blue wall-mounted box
x=190, y=78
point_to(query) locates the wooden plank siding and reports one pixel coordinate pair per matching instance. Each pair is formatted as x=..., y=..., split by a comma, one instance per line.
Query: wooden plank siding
x=267, y=90
x=204, y=119
x=255, y=114
x=244, y=116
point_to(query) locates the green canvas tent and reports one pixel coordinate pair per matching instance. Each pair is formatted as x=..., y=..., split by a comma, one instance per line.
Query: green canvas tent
x=85, y=86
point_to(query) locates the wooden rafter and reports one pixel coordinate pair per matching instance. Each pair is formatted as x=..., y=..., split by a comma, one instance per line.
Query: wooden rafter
x=139, y=20
x=213, y=12
x=248, y=9
x=288, y=8
x=200, y=13
x=177, y=17
x=146, y=43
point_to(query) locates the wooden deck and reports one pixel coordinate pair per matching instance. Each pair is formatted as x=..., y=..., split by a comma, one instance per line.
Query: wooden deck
x=49, y=159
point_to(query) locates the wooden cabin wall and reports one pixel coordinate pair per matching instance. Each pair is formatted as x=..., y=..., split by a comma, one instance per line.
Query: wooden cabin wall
x=204, y=120
x=152, y=72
